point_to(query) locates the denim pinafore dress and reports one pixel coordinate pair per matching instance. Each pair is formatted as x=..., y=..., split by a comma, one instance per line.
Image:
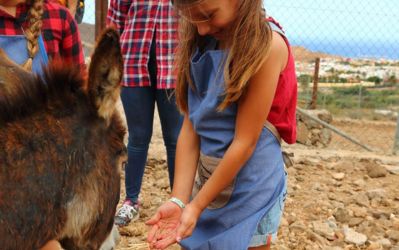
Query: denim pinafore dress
x=16, y=49
x=231, y=222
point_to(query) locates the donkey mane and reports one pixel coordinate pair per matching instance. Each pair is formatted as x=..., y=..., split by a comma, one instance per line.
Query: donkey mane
x=62, y=87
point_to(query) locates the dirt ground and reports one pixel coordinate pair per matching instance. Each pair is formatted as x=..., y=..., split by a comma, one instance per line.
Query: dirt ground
x=339, y=197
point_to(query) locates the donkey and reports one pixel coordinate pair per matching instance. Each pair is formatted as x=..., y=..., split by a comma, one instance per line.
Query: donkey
x=61, y=151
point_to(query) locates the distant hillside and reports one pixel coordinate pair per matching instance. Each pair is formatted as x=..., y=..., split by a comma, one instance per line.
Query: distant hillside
x=303, y=54
x=87, y=32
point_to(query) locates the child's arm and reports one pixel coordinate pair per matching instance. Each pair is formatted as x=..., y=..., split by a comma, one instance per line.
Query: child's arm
x=253, y=111
x=187, y=154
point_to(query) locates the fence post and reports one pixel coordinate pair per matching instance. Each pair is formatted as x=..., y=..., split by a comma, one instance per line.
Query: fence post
x=396, y=141
x=360, y=96
x=101, y=15
x=313, y=103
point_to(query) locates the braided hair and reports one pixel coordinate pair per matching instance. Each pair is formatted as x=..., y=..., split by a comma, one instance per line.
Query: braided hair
x=33, y=31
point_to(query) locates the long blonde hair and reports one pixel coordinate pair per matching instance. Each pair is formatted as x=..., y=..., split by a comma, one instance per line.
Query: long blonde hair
x=248, y=49
x=33, y=31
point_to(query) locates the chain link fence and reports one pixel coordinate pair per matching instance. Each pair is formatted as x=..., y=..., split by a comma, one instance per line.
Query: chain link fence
x=357, y=42
x=358, y=75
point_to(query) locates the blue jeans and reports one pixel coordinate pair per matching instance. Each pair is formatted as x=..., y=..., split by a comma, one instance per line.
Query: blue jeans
x=139, y=104
x=269, y=224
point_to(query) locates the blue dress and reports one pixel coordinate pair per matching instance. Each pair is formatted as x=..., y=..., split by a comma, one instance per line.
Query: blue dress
x=260, y=181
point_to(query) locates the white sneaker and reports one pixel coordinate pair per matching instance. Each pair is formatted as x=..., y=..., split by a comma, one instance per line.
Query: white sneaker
x=127, y=213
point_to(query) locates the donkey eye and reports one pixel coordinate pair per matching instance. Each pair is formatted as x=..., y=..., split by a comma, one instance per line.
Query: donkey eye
x=121, y=151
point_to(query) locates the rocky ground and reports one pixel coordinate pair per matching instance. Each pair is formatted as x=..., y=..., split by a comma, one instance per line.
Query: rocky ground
x=339, y=197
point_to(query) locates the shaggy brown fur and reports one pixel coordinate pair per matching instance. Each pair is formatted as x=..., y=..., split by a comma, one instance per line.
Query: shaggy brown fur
x=61, y=147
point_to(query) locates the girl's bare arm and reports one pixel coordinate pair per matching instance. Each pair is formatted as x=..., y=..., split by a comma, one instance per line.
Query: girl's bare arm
x=187, y=154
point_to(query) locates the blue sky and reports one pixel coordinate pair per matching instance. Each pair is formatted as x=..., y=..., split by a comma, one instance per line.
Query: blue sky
x=373, y=20
x=89, y=12
x=363, y=24
x=353, y=28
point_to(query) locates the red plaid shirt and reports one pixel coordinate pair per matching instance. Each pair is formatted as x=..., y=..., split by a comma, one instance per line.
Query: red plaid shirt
x=137, y=21
x=60, y=31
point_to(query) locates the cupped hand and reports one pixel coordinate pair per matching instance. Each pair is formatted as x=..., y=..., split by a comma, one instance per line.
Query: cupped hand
x=164, y=225
x=188, y=221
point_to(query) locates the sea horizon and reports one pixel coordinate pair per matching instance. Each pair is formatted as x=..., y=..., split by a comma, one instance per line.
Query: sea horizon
x=350, y=49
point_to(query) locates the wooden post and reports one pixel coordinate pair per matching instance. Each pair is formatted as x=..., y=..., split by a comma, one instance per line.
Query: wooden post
x=313, y=103
x=101, y=15
x=360, y=96
x=396, y=141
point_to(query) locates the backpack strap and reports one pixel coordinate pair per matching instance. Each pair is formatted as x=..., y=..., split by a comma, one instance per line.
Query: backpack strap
x=274, y=25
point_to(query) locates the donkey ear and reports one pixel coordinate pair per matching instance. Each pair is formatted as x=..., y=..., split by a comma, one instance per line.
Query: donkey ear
x=105, y=73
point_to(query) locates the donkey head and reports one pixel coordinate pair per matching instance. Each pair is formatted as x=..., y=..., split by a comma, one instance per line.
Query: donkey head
x=61, y=142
